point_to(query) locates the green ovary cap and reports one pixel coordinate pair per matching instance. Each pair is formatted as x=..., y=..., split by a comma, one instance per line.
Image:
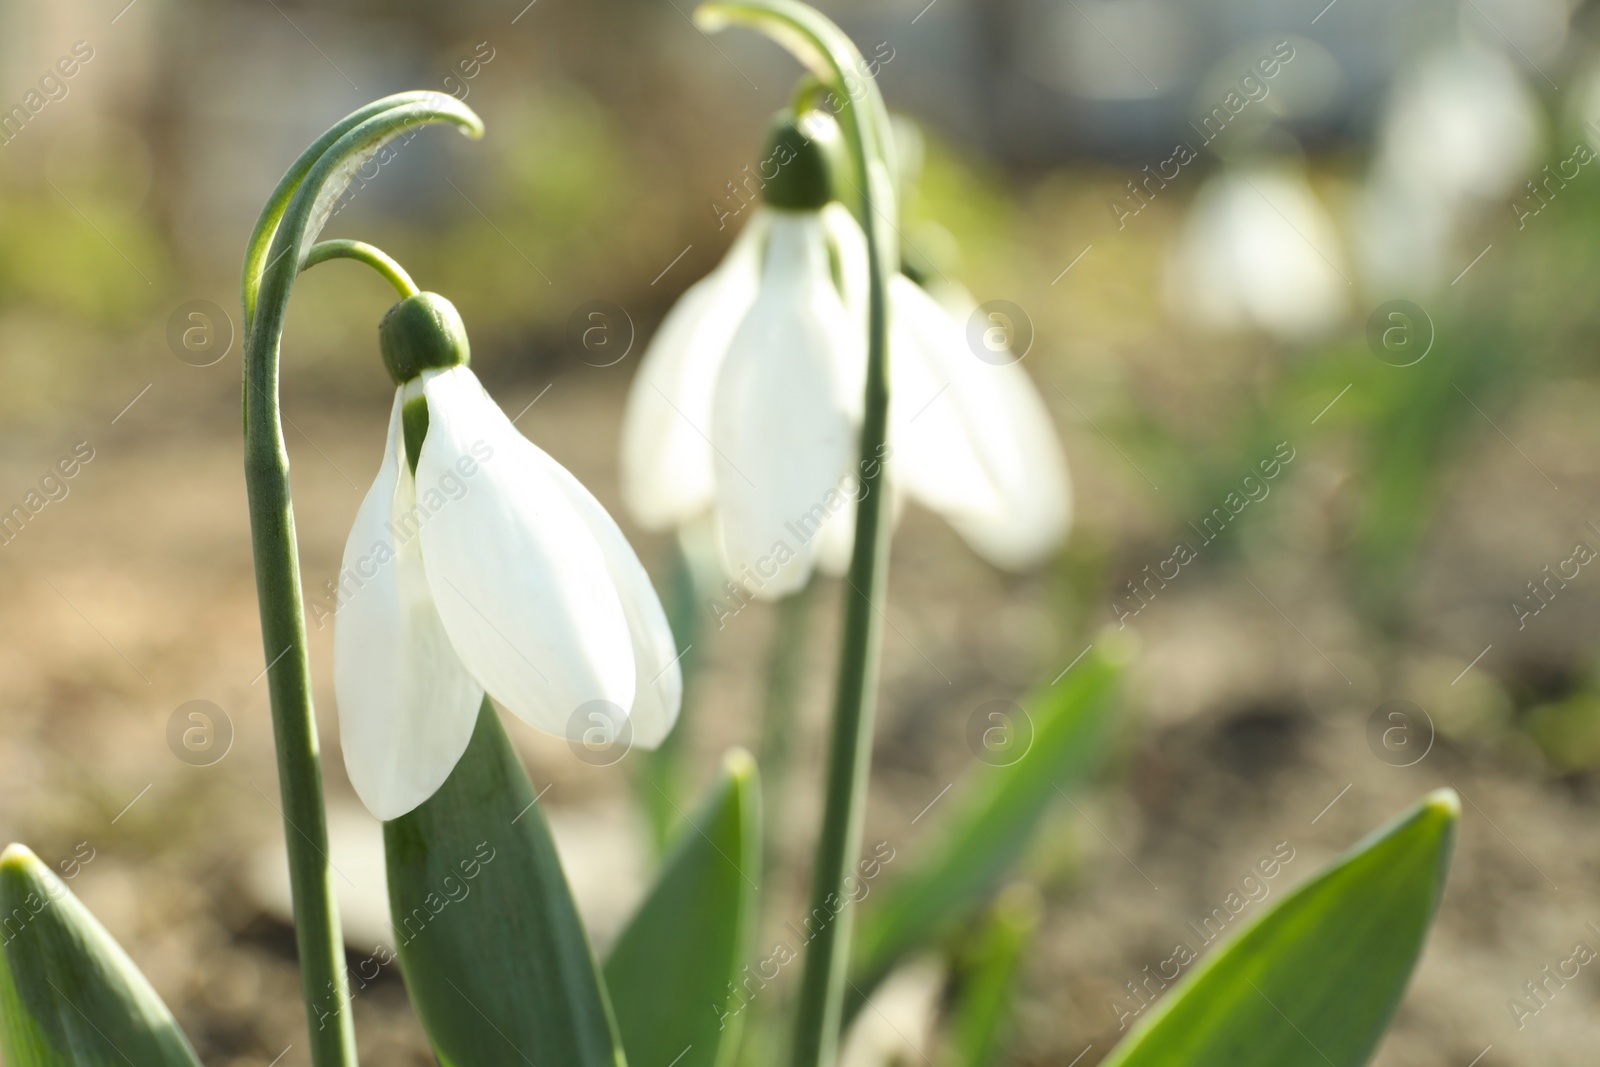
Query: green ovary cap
x=797, y=170
x=420, y=333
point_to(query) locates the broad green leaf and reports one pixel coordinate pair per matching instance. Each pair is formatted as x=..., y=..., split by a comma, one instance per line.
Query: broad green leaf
x=69, y=995
x=495, y=957
x=987, y=972
x=1316, y=979
x=991, y=821
x=672, y=971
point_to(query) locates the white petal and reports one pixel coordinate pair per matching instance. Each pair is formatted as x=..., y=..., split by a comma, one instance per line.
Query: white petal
x=973, y=440
x=849, y=250
x=524, y=590
x=850, y=255
x=1461, y=124
x=837, y=542
x=934, y=456
x=1259, y=250
x=407, y=705
x=660, y=681
x=667, y=475
x=782, y=435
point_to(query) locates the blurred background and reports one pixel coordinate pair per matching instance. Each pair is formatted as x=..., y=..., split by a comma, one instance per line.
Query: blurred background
x=1361, y=237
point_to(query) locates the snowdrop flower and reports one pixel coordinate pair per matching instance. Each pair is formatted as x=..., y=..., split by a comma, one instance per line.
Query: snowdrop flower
x=1259, y=251
x=1462, y=124
x=478, y=563
x=748, y=402
x=973, y=437
x=1459, y=134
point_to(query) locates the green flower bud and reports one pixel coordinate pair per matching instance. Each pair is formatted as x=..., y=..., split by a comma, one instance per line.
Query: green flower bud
x=803, y=157
x=420, y=333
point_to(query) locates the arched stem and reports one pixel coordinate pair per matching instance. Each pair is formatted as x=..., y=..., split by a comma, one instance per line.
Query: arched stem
x=361, y=252
x=295, y=211
x=863, y=120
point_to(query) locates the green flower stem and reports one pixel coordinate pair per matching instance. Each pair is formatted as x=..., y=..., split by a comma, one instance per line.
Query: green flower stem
x=361, y=252
x=277, y=251
x=830, y=56
x=784, y=677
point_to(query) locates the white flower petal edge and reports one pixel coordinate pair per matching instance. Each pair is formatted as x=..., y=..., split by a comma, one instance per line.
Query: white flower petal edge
x=667, y=474
x=407, y=705
x=849, y=250
x=838, y=541
x=936, y=459
x=781, y=437
x=850, y=256
x=1259, y=251
x=974, y=440
x=659, y=692
x=525, y=592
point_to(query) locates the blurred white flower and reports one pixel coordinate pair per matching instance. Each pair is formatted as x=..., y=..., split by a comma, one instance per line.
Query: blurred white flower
x=489, y=568
x=1259, y=251
x=973, y=437
x=1461, y=131
x=899, y=1028
x=1462, y=124
x=748, y=403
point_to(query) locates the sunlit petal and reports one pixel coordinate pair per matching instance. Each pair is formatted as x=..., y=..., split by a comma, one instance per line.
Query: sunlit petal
x=1259, y=251
x=973, y=440
x=667, y=474
x=407, y=705
x=660, y=681
x=848, y=246
x=526, y=594
x=783, y=437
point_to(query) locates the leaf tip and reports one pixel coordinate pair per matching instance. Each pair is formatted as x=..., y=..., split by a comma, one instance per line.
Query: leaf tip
x=1443, y=804
x=18, y=859
x=1116, y=648
x=739, y=765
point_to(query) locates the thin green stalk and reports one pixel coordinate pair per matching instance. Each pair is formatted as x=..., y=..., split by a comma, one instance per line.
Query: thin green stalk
x=829, y=55
x=361, y=252
x=784, y=680
x=277, y=252
x=784, y=677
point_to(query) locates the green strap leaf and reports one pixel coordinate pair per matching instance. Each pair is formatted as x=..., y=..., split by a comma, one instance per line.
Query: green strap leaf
x=992, y=819
x=495, y=957
x=673, y=971
x=987, y=972
x=69, y=995
x=1316, y=980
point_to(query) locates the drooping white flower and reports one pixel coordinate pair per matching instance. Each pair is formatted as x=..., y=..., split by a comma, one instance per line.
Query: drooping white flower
x=667, y=472
x=786, y=403
x=1259, y=251
x=973, y=437
x=748, y=404
x=1458, y=137
x=487, y=567
x=1462, y=124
